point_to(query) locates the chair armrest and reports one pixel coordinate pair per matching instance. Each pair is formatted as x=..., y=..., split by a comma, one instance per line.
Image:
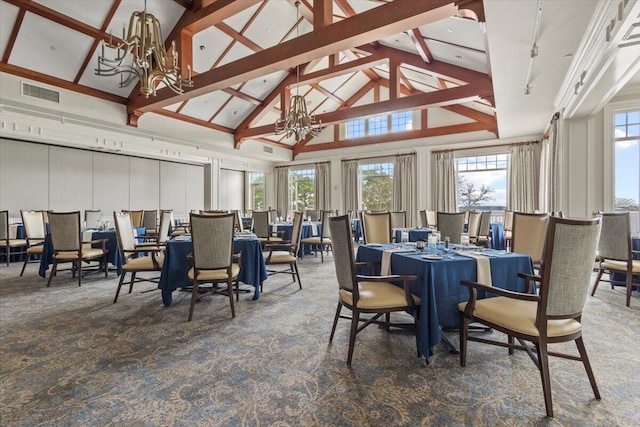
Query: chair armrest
x=529, y=279
x=388, y=278
x=237, y=257
x=286, y=246
x=500, y=291
x=102, y=241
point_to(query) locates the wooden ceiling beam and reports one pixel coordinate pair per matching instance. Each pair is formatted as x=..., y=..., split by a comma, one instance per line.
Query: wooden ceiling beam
x=14, y=34
x=238, y=37
x=322, y=13
x=383, y=21
x=193, y=120
x=420, y=44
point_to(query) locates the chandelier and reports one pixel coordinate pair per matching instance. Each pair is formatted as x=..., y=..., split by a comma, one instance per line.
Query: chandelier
x=149, y=60
x=296, y=121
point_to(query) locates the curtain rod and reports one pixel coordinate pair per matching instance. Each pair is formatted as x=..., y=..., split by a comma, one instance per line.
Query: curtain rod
x=304, y=164
x=377, y=157
x=513, y=144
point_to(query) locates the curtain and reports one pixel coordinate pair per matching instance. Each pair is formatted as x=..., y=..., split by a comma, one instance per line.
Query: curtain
x=549, y=200
x=350, y=186
x=282, y=190
x=523, y=178
x=404, y=186
x=323, y=186
x=444, y=182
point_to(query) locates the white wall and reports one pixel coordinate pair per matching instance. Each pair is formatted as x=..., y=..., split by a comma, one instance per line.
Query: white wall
x=40, y=176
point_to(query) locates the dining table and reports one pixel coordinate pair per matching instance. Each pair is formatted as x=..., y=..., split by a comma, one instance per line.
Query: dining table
x=177, y=264
x=413, y=234
x=111, y=244
x=309, y=229
x=621, y=277
x=438, y=280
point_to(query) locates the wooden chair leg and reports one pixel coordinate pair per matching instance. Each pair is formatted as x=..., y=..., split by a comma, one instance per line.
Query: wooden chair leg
x=53, y=273
x=587, y=366
x=79, y=272
x=295, y=265
x=26, y=260
x=194, y=296
x=230, y=292
x=595, y=284
x=133, y=278
x=119, y=286
x=352, y=334
x=335, y=321
x=543, y=361
x=464, y=327
x=629, y=288
x=510, y=341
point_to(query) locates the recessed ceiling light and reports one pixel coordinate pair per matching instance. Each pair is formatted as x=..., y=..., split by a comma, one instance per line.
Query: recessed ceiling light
x=202, y=47
x=52, y=47
x=458, y=57
x=568, y=55
x=450, y=30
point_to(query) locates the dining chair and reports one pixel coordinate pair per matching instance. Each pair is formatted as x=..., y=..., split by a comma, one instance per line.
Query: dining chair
x=615, y=252
x=323, y=241
x=285, y=253
x=212, y=237
x=261, y=228
x=508, y=227
x=7, y=242
x=484, y=229
x=451, y=225
x=375, y=295
x=432, y=219
x=312, y=214
x=553, y=316
x=92, y=218
x=398, y=219
x=273, y=215
x=150, y=221
x=68, y=246
x=376, y=227
x=136, y=218
x=137, y=258
x=423, y=219
x=473, y=225
x=529, y=234
x=35, y=231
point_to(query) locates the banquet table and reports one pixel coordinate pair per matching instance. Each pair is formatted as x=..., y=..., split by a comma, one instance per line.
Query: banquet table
x=497, y=236
x=635, y=245
x=309, y=229
x=415, y=234
x=176, y=264
x=112, y=246
x=438, y=283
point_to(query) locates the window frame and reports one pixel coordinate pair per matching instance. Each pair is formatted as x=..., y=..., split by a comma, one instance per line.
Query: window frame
x=369, y=129
x=295, y=171
x=373, y=162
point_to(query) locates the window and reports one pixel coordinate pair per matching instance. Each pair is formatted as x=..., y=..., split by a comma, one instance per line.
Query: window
x=482, y=182
x=376, y=184
x=302, y=189
x=626, y=138
x=256, y=188
x=379, y=125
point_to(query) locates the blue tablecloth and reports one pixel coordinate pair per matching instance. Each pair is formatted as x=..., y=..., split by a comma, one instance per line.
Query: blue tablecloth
x=415, y=234
x=497, y=236
x=438, y=285
x=176, y=266
x=112, y=246
x=307, y=231
x=356, y=227
x=635, y=245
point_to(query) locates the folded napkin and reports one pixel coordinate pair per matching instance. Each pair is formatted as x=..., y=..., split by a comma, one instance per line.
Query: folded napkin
x=385, y=265
x=314, y=229
x=483, y=267
x=87, y=236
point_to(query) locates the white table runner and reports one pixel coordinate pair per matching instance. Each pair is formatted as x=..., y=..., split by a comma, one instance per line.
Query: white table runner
x=385, y=264
x=483, y=266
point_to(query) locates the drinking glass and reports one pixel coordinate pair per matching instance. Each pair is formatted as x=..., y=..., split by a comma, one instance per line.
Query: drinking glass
x=464, y=239
x=405, y=236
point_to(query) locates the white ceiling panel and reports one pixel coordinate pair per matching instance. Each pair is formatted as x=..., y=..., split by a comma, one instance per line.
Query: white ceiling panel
x=355, y=84
x=166, y=12
x=234, y=113
x=459, y=31
x=173, y=107
x=238, y=51
x=437, y=117
x=269, y=118
x=239, y=20
x=416, y=76
x=334, y=83
x=400, y=41
x=93, y=15
x=205, y=106
x=329, y=105
x=208, y=45
x=109, y=84
x=363, y=5
x=262, y=86
x=460, y=56
x=50, y=48
x=272, y=24
x=8, y=14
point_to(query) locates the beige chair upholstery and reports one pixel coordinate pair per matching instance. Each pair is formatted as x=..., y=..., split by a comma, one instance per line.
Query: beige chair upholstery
x=432, y=219
x=8, y=242
x=212, y=238
x=451, y=225
x=312, y=214
x=376, y=227
x=237, y=221
x=35, y=231
x=150, y=221
x=484, y=228
x=136, y=218
x=323, y=241
x=529, y=233
x=92, y=218
x=615, y=252
x=261, y=228
x=508, y=227
x=285, y=254
x=473, y=225
x=365, y=294
x=66, y=238
x=555, y=315
x=423, y=219
x=273, y=215
x=137, y=258
x=399, y=219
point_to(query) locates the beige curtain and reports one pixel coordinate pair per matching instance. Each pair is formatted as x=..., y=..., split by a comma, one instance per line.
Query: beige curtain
x=444, y=182
x=323, y=186
x=523, y=178
x=404, y=186
x=549, y=199
x=350, y=186
x=282, y=190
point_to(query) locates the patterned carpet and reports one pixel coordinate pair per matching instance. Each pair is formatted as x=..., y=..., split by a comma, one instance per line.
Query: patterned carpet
x=71, y=357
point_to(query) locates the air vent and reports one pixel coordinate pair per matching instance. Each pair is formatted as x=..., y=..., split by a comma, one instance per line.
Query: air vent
x=40, y=92
x=267, y=149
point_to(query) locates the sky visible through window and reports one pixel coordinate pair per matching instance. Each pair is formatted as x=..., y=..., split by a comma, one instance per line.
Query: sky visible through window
x=490, y=171
x=627, y=159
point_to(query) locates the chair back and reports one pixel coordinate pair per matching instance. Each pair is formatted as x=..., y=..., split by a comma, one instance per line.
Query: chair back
x=4, y=226
x=568, y=265
x=399, y=219
x=376, y=227
x=529, y=234
x=34, y=227
x=237, y=221
x=423, y=219
x=342, y=242
x=485, y=224
x=313, y=215
x=432, y=219
x=508, y=220
x=165, y=226
x=261, y=223
x=473, y=224
x=150, y=220
x=324, y=220
x=615, y=239
x=273, y=215
x=124, y=231
x=65, y=231
x=296, y=232
x=212, y=238
x=451, y=225
x=92, y=218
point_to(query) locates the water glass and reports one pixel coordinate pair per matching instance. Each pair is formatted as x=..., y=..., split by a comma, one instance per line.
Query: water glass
x=464, y=239
x=405, y=236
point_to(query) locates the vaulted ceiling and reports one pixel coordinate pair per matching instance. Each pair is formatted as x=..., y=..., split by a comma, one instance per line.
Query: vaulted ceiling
x=349, y=58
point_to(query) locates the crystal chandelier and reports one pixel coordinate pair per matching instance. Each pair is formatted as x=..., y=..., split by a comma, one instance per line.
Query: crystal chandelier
x=297, y=122
x=149, y=60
